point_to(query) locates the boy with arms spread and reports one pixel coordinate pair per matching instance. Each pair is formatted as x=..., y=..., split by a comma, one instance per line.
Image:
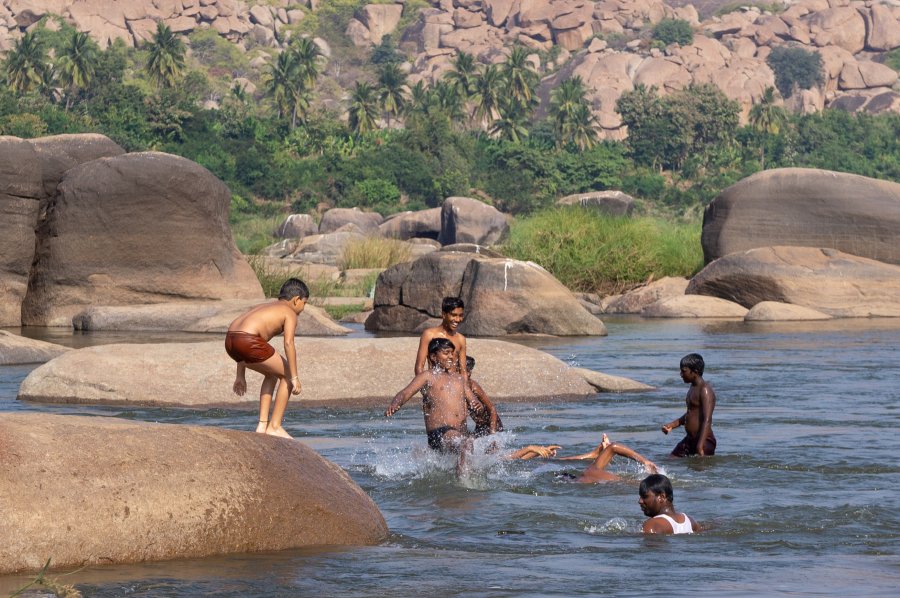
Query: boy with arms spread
x=247, y=343
x=444, y=402
x=697, y=420
x=656, y=498
x=452, y=314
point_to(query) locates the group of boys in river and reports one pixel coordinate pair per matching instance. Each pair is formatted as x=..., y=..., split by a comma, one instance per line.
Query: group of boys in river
x=449, y=396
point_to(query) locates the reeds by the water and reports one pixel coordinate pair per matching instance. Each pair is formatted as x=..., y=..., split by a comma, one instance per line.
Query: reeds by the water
x=374, y=252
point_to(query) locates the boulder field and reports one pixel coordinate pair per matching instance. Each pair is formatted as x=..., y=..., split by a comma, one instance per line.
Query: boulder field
x=363, y=371
x=97, y=491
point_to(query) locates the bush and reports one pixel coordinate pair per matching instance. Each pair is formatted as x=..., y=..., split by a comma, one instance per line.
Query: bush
x=375, y=194
x=588, y=251
x=795, y=67
x=674, y=31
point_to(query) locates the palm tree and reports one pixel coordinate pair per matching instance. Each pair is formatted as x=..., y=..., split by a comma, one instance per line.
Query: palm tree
x=166, y=60
x=463, y=75
x=308, y=58
x=520, y=77
x=581, y=129
x=77, y=64
x=487, y=95
x=26, y=64
x=449, y=100
x=766, y=118
x=363, y=111
x=511, y=124
x=281, y=83
x=420, y=100
x=565, y=100
x=392, y=94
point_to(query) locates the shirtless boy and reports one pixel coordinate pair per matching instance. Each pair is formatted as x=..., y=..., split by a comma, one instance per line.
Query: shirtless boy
x=697, y=420
x=483, y=413
x=247, y=343
x=656, y=498
x=444, y=402
x=602, y=456
x=452, y=314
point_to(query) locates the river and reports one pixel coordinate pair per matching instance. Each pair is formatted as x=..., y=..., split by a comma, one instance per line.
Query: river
x=801, y=499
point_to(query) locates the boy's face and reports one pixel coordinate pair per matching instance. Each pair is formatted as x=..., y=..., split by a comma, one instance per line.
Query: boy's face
x=445, y=358
x=687, y=374
x=453, y=318
x=651, y=503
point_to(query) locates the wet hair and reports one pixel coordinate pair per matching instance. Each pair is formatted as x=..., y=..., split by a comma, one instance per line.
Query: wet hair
x=470, y=363
x=694, y=362
x=293, y=287
x=439, y=344
x=657, y=483
x=451, y=303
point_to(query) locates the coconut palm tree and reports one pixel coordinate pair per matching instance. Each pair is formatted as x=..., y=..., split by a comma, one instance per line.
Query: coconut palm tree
x=520, y=77
x=420, y=100
x=487, y=96
x=565, y=101
x=581, y=128
x=166, y=61
x=511, y=125
x=77, y=64
x=26, y=64
x=392, y=90
x=463, y=74
x=363, y=112
x=767, y=118
x=308, y=59
x=448, y=99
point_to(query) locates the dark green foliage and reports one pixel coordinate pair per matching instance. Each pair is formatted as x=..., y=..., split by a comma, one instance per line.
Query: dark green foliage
x=386, y=52
x=673, y=31
x=795, y=67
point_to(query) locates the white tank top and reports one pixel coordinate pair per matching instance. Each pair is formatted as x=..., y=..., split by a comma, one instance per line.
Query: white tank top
x=679, y=528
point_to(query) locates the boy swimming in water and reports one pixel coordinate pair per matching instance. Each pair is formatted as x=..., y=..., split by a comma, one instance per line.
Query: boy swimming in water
x=656, y=497
x=483, y=413
x=452, y=314
x=602, y=456
x=444, y=402
x=697, y=420
x=247, y=343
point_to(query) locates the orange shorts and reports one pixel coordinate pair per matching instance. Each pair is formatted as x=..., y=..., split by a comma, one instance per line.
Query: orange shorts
x=247, y=348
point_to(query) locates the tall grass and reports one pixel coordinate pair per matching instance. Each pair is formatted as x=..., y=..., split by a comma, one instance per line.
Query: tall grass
x=587, y=251
x=252, y=234
x=374, y=252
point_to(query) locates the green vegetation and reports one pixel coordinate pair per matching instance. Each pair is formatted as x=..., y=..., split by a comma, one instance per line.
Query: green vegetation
x=892, y=59
x=374, y=252
x=673, y=31
x=339, y=311
x=795, y=68
x=588, y=251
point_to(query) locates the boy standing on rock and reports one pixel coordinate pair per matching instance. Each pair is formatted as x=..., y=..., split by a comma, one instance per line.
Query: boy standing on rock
x=247, y=343
x=697, y=420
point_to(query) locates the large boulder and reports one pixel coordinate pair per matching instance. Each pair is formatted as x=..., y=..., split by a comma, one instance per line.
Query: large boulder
x=634, y=301
x=15, y=349
x=805, y=207
x=775, y=311
x=407, y=225
x=326, y=248
x=297, y=226
x=611, y=203
x=100, y=490
x=827, y=280
x=59, y=153
x=206, y=316
x=694, y=306
x=502, y=297
x=466, y=220
x=136, y=228
x=335, y=218
x=21, y=191
x=143, y=374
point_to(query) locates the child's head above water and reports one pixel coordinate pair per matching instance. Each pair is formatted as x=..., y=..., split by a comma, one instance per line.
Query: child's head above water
x=693, y=362
x=439, y=344
x=470, y=363
x=293, y=287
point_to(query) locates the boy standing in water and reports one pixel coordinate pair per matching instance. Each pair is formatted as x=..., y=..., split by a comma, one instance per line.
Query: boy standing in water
x=697, y=420
x=452, y=314
x=656, y=498
x=487, y=420
x=444, y=399
x=247, y=343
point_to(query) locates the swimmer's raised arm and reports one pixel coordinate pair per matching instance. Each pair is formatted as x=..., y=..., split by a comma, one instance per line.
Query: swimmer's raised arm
x=532, y=451
x=417, y=384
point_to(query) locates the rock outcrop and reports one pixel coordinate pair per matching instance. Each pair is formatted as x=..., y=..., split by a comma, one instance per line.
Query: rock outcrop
x=297, y=226
x=335, y=218
x=775, y=311
x=694, y=306
x=329, y=370
x=15, y=349
x=826, y=280
x=634, y=301
x=134, y=229
x=466, y=220
x=101, y=490
x=502, y=297
x=611, y=203
x=805, y=207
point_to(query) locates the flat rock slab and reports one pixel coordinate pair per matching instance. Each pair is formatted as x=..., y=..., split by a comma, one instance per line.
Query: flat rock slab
x=208, y=316
x=333, y=371
x=606, y=383
x=775, y=311
x=694, y=306
x=97, y=490
x=15, y=349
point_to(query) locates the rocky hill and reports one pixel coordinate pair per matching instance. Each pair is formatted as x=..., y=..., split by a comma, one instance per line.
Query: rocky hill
x=607, y=43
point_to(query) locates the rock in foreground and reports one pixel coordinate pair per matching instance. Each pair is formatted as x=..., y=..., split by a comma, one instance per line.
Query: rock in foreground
x=333, y=371
x=97, y=490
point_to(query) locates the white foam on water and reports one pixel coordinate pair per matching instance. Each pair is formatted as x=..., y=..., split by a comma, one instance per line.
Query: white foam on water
x=616, y=524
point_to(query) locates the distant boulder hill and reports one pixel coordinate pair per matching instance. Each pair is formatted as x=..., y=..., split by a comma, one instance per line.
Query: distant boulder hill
x=607, y=43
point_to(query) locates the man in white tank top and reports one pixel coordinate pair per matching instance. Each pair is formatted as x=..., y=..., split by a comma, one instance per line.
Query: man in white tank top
x=656, y=497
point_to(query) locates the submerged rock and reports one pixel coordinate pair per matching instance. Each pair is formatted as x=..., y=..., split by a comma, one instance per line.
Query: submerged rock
x=100, y=490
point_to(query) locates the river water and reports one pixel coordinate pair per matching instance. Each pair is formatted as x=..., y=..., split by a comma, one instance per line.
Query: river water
x=801, y=499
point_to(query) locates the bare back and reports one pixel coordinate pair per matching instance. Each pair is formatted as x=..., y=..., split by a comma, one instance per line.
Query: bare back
x=266, y=320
